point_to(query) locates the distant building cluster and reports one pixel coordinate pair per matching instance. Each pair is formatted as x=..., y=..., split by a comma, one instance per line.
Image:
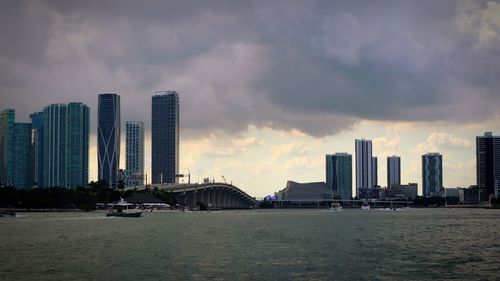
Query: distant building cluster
x=339, y=177
x=53, y=150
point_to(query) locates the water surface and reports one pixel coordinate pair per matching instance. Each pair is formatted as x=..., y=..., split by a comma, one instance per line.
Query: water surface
x=310, y=244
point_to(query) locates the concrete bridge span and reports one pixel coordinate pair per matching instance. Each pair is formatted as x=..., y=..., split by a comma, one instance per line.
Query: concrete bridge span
x=212, y=195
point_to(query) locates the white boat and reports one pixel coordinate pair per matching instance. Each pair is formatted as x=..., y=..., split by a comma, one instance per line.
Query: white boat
x=365, y=206
x=336, y=207
x=123, y=209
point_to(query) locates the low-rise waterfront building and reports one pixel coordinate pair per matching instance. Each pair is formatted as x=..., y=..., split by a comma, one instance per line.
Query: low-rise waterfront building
x=401, y=191
x=305, y=191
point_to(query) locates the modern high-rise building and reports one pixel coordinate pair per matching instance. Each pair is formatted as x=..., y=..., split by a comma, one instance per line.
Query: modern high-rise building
x=37, y=148
x=165, y=137
x=65, y=145
x=432, y=175
x=77, y=145
x=339, y=175
x=134, y=155
x=393, y=171
x=364, y=178
x=374, y=171
x=488, y=166
x=7, y=118
x=108, y=138
x=54, y=145
x=22, y=152
x=15, y=151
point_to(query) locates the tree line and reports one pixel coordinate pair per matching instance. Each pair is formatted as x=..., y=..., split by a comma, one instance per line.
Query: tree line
x=64, y=198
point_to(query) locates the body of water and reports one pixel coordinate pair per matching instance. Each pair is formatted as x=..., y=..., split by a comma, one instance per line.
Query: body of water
x=306, y=244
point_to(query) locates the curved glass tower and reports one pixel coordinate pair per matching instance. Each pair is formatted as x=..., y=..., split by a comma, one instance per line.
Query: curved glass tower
x=108, y=138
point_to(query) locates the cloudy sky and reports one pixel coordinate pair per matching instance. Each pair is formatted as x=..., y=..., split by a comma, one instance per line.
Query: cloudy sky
x=267, y=88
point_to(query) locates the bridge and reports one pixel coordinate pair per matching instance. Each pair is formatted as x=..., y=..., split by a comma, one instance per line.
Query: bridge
x=213, y=195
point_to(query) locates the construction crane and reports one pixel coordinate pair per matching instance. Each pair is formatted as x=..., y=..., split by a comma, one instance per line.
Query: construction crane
x=224, y=179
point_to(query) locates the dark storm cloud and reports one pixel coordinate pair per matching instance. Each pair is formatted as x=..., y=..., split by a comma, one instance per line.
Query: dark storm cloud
x=316, y=66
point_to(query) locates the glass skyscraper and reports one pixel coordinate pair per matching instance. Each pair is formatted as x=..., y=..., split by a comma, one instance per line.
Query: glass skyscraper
x=54, y=145
x=15, y=151
x=134, y=156
x=339, y=175
x=364, y=170
x=65, y=145
x=393, y=171
x=165, y=137
x=108, y=138
x=432, y=174
x=374, y=171
x=488, y=166
x=7, y=118
x=77, y=145
x=37, y=148
x=22, y=155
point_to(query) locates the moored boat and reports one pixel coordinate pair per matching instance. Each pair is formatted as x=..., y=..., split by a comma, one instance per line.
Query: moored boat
x=336, y=207
x=365, y=206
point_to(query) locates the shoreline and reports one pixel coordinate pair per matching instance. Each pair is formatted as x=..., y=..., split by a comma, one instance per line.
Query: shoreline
x=34, y=210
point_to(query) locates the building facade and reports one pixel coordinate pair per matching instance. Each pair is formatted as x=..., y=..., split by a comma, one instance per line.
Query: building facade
x=37, y=148
x=108, y=138
x=374, y=171
x=65, y=145
x=364, y=178
x=488, y=166
x=15, y=151
x=22, y=152
x=77, y=145
x=165, y=137
x=401, y=191
x=134, y=155
x=54, y=145
x=339, y=175
x=7, y=119
x=432, y=175
x=393, y=171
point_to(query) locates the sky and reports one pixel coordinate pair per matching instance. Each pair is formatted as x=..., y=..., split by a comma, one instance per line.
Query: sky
x=267, y=88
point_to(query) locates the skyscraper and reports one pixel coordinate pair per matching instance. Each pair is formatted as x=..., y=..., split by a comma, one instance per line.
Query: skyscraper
x=108, y=138
x=488, y=165
x=339, y=175
x=7, y=118
x=15, y=151
x=374, y=171
x=22, y=152
x=77, y=145
x=54, y=145
x=134, y=153
x=393, y=171
x=37, y=148
x=432, y=174
x=364, y=179
x=165, y=137
x=65, y=145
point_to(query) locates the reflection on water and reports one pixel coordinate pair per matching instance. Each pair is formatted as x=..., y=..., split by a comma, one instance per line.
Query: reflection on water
x=416, y=244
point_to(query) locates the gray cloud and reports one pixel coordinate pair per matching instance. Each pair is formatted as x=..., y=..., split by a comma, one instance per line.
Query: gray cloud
x=316, y=66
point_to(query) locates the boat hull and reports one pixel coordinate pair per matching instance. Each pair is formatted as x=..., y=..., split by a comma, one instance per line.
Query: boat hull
x=124, y=214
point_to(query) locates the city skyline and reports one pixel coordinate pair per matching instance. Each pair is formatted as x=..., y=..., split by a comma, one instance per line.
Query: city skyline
x=268, y=89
